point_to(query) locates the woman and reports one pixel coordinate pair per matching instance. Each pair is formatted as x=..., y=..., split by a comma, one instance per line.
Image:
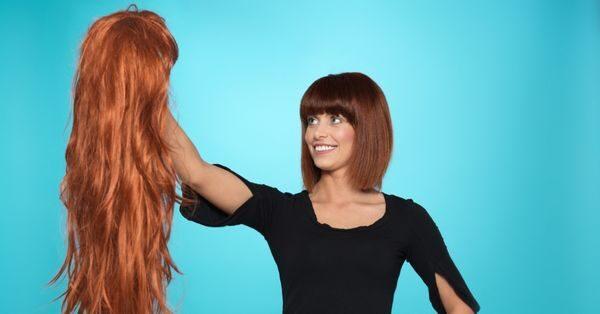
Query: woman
x=340, y=243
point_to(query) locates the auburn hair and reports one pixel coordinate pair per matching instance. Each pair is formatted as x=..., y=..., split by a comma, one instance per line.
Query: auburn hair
x=358, y=98
x=120, y=184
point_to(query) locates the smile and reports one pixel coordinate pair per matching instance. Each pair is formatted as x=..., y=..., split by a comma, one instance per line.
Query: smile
x=320, y=150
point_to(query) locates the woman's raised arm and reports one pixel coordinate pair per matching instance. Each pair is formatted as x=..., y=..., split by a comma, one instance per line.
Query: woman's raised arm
x=218, y=186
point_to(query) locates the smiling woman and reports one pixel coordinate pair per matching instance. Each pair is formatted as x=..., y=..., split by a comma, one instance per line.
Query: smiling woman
x=340, y=243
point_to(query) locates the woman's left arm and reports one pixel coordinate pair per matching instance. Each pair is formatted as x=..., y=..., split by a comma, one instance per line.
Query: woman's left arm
x=429, y=257
x=452, y=302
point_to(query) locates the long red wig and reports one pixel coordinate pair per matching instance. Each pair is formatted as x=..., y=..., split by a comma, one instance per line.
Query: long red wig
x=120, y=184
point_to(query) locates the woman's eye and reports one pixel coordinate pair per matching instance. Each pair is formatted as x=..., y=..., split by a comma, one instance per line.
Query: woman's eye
x=309, y=119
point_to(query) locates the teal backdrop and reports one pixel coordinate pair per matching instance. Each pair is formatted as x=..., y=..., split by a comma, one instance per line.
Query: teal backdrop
x=496, y=116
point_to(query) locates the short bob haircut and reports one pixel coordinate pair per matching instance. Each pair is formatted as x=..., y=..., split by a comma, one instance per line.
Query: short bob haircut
x=362, y=102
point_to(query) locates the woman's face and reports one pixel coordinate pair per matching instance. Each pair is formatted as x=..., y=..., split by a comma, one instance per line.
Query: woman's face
x=329, y=139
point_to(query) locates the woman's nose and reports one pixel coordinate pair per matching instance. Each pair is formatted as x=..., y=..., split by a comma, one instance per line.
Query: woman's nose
x=320, y=131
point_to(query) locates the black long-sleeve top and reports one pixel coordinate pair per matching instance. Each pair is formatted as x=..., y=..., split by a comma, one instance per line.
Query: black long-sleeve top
x=330, y=270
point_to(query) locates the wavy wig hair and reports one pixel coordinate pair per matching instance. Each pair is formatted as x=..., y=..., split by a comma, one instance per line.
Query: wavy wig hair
x=357, y=97
x=120, y=184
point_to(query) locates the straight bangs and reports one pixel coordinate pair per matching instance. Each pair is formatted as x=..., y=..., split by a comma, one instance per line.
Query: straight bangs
x=330, y=95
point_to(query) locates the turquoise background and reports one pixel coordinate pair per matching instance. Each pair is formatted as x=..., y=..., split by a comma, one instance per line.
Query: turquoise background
x=496, y=113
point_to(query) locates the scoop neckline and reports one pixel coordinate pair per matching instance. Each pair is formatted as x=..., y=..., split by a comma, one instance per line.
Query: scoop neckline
x=325, y=226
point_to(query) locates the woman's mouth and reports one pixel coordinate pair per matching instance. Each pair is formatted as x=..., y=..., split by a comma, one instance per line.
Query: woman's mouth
x=323, y=149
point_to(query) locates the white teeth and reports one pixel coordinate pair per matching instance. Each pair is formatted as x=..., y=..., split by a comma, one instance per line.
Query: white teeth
x=322, y=148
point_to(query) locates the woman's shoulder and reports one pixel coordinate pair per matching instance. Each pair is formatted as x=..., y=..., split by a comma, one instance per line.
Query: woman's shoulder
x=407, y=208
x=400, y=203
x=412, y=217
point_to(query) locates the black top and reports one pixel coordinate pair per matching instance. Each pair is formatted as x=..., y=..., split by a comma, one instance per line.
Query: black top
x=324, y=269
